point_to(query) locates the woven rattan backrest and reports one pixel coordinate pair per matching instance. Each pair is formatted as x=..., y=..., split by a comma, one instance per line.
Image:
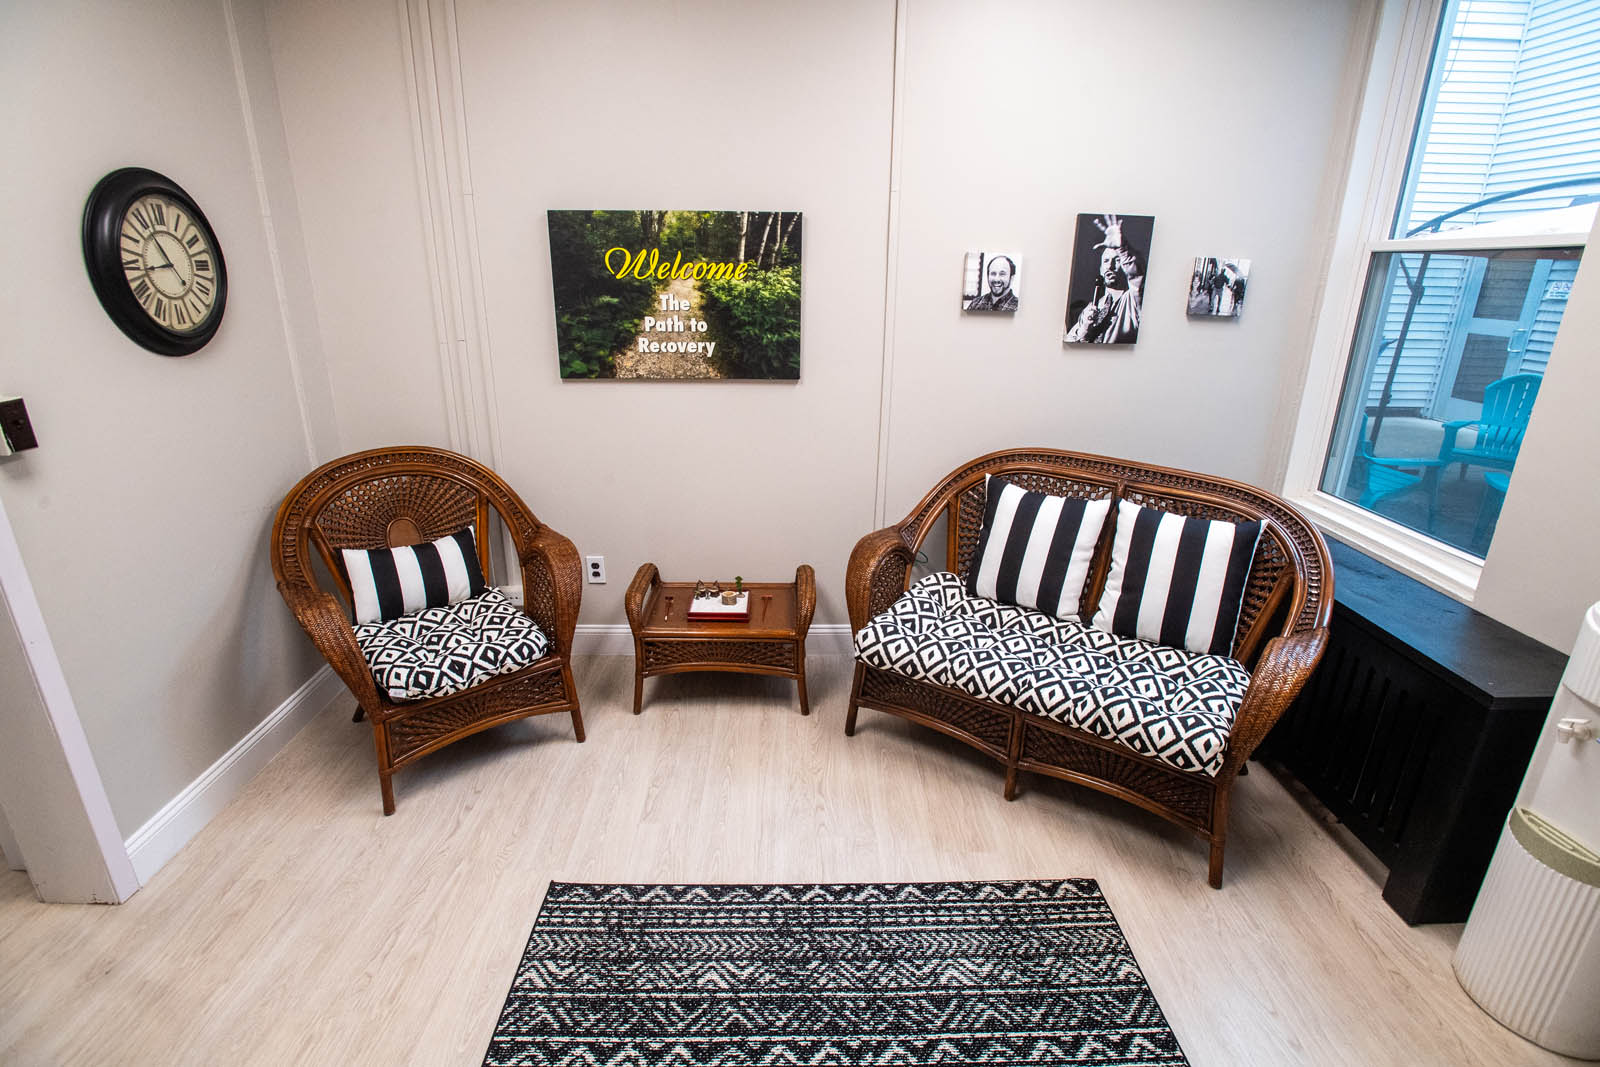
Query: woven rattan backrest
x=384, y=498
x=1290, y=585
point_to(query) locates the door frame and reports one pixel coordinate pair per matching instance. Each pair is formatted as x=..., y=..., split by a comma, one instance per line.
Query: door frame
x=1446, y=405
x=50, y=789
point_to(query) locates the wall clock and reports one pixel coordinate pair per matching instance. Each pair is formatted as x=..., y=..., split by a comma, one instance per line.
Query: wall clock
x=154, y=261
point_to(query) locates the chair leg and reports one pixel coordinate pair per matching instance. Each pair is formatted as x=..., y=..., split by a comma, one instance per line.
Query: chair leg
x=1219, y=833
x=385, y=772
x=361, y=713
x=1430, y=482
x=855, y=702
x=1013, y=755
x=572, y=695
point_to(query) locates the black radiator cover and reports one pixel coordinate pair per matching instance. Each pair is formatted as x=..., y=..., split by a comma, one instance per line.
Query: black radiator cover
x=1416, y=730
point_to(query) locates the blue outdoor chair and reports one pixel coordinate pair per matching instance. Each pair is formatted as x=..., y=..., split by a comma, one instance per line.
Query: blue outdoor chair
x=1507, y=403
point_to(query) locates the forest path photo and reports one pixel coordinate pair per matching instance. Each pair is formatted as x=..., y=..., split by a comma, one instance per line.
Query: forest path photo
x=667, y=345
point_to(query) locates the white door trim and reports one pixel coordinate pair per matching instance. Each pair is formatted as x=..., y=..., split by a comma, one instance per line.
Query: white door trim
x=79, y=773
x=9, y=847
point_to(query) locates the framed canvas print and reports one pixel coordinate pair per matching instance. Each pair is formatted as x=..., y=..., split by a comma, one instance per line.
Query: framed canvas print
x=1106, y=288
x=1216, y=289
x=991, y=281
x=663, y=295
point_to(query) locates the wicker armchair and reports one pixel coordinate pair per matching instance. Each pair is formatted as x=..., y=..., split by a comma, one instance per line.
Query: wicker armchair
x=1280, y=637
x=388, y=497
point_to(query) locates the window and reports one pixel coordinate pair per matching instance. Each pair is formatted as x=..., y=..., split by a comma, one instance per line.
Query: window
x=1466, y=281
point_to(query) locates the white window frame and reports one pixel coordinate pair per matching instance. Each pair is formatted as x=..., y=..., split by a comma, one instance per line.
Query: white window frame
x=1403, y=43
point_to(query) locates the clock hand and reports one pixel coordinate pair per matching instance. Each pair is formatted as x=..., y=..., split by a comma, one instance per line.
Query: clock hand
x=166, y=259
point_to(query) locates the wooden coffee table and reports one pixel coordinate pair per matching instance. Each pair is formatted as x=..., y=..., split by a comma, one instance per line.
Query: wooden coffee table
x=773, y=641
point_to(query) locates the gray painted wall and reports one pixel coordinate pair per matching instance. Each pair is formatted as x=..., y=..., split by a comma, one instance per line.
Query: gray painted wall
x=143, y=515
x=1012, y=121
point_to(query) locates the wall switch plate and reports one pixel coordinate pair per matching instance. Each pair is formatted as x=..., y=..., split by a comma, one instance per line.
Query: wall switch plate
x=595, y=569
x=16, y=431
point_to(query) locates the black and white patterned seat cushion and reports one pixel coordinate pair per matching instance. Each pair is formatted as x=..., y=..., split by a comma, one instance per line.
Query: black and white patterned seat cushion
x=439, y=651
x=1169, y=703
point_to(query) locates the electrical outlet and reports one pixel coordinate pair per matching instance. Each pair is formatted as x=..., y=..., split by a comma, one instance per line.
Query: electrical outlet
x=512, y=593
x=596, y=568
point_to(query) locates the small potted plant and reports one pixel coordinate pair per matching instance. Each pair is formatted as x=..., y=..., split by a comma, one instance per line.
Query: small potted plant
x=731, y=596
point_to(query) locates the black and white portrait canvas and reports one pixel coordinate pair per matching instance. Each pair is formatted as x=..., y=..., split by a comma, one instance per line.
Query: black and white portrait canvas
x=1217, y=288
x=1104, y=294
x=991, y=281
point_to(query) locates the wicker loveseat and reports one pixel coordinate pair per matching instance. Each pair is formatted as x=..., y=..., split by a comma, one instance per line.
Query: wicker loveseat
x=1281, y=631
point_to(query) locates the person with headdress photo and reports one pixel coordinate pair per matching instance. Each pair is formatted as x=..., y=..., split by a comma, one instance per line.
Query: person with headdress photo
x=1111, y=316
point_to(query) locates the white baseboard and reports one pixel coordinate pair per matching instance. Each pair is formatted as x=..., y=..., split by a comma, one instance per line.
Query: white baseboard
x=831, y=639
x=602, y=639
x=168, y=830
x=615, y=639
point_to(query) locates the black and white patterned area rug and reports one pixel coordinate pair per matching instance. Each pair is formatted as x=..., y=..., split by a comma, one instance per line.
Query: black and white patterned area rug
x=1033, y=972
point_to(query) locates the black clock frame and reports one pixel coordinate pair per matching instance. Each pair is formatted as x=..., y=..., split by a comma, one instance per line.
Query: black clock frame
x=102, y=255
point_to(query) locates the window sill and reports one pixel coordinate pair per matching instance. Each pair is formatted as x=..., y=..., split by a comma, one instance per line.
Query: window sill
x=1449, y=570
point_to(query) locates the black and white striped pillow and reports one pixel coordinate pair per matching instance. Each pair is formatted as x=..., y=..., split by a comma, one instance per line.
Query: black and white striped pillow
x=386, y=583
x=1034, y=549
x=1177, y=581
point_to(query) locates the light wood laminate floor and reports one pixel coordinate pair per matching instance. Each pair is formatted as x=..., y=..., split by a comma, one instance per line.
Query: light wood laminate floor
x=303, y=927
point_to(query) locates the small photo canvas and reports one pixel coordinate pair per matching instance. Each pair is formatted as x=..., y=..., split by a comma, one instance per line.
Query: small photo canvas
x=991, y=281
x=1218, y=286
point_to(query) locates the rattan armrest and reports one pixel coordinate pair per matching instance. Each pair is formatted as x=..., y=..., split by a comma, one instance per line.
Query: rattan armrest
x=323, y=620
x=1285, y=664
x=805, y=599
x=638, y=590
x=552, y=585
x=876, y=574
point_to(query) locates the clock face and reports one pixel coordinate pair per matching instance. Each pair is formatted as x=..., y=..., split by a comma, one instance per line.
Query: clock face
x=154, y=261
x=169, y=263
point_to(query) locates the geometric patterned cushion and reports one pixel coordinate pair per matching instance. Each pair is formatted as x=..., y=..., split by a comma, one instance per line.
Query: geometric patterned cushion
x=439, y=651
x=1174, y=705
